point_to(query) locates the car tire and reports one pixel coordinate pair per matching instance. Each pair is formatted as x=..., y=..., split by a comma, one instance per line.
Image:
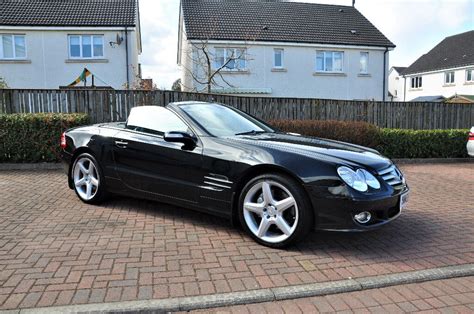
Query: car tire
x=87, y=179
x=275, y=210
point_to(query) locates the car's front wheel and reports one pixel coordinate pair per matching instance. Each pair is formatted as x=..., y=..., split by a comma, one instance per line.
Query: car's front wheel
x=87, y=179
x=275, y=210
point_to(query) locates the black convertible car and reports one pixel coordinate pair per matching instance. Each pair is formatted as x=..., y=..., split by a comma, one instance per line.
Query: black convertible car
x=217, y=159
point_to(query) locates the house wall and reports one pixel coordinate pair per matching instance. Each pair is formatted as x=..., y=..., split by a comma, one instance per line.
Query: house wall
x=299, y=79
x=395, y=85
x=47, y=64
x=433, y=84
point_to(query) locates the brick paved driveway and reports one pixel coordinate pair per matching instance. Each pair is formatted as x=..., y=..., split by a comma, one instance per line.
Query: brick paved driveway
x=55, y=250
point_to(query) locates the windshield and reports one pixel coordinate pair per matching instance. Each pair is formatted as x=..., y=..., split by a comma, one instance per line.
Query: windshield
x=220, y=120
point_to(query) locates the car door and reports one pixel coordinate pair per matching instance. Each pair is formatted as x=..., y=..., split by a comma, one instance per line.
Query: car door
x=145, y=162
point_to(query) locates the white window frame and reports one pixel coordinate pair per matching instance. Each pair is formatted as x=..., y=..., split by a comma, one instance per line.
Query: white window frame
x=416, y=82
x=282, y=53
x=360, y=62
x=472, y=76
x=101, y=36
x=449, y=78
x=2, y=57
x=332, y=52
x=226, y=50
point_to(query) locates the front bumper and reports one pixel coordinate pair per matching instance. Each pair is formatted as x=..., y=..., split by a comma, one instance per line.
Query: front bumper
x=337, y=213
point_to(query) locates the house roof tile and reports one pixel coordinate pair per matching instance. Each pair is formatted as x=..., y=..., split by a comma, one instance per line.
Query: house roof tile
x=453, y=52
x=279, y=21
x=400, y=69
x=68, y=12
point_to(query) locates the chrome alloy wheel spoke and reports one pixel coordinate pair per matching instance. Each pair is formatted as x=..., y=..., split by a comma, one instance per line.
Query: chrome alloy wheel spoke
x=80, y=182
x=256, y=208
x=281, y=223
x=267, y=193
x=82, y=167
x=263, y=228
x=284, y=204
x=88, y=190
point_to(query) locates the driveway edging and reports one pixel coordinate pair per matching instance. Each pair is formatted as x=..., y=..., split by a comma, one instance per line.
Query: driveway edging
x=432, y=160
x=265, y=295
x=31, y=166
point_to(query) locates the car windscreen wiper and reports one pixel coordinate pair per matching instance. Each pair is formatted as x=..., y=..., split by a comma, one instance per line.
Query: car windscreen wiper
x=252, y=132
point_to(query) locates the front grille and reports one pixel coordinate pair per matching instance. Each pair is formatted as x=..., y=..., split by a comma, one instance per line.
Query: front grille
x=392, y=176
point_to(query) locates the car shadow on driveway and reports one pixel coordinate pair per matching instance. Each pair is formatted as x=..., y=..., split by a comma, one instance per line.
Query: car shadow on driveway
x=411, y=235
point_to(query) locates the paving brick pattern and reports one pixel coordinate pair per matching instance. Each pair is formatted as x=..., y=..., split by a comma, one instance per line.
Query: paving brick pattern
x=441, y=296
x=56, y=250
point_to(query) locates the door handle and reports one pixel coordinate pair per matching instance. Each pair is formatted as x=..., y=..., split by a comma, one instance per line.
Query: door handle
x=121, y=144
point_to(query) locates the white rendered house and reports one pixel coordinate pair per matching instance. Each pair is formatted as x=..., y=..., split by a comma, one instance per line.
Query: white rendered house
x=445, y=71
x=282, y=49
x=395, y=83
x=47, y=44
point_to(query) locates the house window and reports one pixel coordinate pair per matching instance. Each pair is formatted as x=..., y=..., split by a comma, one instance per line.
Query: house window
x=416, y=82
x=449, y=78
x=329, y=61
x=86, y=46
x=12, y=46
x=232, y=59
x=278, y=58
x=364, y=62
x=470, y=75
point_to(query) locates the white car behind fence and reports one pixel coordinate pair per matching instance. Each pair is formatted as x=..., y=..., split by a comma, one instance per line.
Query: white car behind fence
x=470, y=143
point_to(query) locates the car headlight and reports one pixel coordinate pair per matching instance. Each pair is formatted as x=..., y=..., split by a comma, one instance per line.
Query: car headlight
x=370, y=179
x=359, y=180
x=355, y=180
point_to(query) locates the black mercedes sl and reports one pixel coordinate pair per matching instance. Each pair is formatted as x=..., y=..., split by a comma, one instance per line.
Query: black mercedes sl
x=219, y=160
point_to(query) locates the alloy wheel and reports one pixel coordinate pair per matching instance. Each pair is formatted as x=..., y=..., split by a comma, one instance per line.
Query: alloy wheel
x=86, y=178
x=270, y=211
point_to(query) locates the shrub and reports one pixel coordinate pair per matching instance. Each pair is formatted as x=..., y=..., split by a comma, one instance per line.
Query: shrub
x=356, y=132
x=393, y=143
x=34, y=137
x=398, y=143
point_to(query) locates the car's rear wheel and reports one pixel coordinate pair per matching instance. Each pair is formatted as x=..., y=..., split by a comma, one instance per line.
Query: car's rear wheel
x=87, y=179
x=275, y=210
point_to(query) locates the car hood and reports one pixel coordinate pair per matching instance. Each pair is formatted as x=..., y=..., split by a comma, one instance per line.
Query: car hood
x=323, y=149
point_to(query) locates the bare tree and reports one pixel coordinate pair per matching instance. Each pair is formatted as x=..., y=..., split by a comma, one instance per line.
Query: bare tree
x=203, y=70
x=176, y=85
x=206, y=68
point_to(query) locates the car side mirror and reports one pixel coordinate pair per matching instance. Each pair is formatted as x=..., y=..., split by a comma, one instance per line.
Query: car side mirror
x=181, y=137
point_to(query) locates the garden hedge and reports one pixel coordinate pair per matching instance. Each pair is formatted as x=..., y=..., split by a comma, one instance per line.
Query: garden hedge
x=356, y=132
x=400, y=143
x=34, y=137
x=393, y=143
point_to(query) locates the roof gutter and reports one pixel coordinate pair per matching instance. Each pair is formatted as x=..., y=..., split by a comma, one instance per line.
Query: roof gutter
x=384, y=72
x=288, y=43
x=64, y=27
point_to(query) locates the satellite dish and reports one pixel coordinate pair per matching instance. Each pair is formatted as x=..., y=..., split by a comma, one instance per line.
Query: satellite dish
x=119, y=39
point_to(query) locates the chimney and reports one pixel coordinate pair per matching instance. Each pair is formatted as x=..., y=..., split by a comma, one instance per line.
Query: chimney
x=353, y=3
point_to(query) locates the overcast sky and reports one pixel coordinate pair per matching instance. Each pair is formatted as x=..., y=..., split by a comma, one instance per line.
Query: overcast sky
x=415, y=26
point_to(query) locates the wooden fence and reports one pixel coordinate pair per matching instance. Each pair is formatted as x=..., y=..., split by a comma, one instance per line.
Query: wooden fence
x=114, y=105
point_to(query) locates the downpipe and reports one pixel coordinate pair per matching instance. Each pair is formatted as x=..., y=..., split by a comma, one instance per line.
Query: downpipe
x=384, y=72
